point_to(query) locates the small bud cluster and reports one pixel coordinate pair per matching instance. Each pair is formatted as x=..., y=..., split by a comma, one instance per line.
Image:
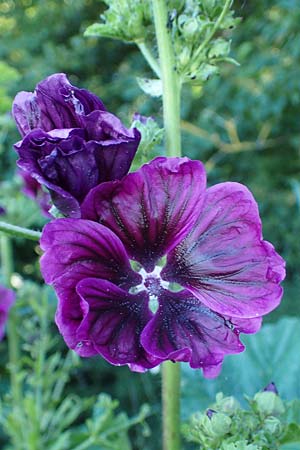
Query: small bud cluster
x=226, y=426
x=199, y=32
x=200, y=38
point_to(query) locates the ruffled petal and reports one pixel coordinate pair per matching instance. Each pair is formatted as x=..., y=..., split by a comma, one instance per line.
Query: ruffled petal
x=184, y=329
x=114, y=145
x=113, y=321
x=26, y=112
x=63, y=105
x=224, y=260
x=152, y=209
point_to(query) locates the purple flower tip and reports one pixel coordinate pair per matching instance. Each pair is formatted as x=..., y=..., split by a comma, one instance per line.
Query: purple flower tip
x=7, y=299
x=2, y=211
x=216, y=281
x=143, y=119
x=70, y=142
x=271, y=387
x=210, y=413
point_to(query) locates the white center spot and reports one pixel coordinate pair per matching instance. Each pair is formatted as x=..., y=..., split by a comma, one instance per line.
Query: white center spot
x=152, y=283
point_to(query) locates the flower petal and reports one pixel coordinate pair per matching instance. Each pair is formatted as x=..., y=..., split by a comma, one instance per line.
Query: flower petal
x=86, y=249
x=26, y=112
x=114, y=145
x=224, y=260
x=184, y=329
x=7, y=299
x=75, y=250
x=152, y=209
x=113, y=321
x=63, y=105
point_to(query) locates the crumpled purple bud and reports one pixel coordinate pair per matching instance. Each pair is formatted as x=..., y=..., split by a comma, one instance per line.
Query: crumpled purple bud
x=7, y=299
x=70, y=142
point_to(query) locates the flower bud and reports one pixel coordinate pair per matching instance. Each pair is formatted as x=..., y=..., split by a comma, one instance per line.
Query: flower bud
x=269, y=404
x=271, y=387
x=273, y=426
x=216, y=426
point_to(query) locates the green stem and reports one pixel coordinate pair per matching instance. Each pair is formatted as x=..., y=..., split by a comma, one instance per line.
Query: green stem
x=15, y=231
x=171, y=405
x=146, y=52
x=171, y=110
x=12, y=326
x=170, y=79
x=214, y=29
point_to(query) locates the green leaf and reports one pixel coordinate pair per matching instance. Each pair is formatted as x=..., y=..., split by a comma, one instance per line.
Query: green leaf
x=292, y=434
x=270, y=355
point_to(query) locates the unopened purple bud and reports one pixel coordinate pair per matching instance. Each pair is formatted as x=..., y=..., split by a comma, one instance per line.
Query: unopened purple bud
x=210, y=413
x=140, y=118
x=2, y=211
x=271, y=387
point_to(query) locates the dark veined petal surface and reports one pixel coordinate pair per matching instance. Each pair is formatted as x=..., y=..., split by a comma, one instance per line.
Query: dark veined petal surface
x=224, y=261
x=184, y=329
x=152, y=209
x=113, y=321
x=76, y=249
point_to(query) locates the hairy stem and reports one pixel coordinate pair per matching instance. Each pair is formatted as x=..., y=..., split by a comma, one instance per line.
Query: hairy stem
x=16, y=231
x=170, y=79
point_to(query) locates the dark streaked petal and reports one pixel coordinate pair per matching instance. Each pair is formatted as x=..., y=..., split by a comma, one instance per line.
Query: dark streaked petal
x=114, y=145
x=152, y=209
x=61, y=161
x=87, y=249
x=113, y=321
x=184, y=329
x=224, y=260
x=26, y=112
x=63, y=105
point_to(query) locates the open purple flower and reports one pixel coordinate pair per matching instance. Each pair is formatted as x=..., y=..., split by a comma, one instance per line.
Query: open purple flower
x=217, y=280
x=70, y=142
x=7, y=299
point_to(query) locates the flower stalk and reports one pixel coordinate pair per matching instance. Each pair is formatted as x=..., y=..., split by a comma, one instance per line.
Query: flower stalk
x=19, y=232
x=171, y=112
x=12, y=326
x=170, y=79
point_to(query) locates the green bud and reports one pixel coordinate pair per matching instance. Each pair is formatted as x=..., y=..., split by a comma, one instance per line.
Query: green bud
x=228, y=405
x=190, y=29
x=273, y=426
x=219, y=48
x=239, y=445
x=216, y=426
x=268, y=404
x=183, y=58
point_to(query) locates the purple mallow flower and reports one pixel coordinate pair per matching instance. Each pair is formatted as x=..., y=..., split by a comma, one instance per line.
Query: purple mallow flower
x=7, y=299
x=162, y=268
x=70, y=142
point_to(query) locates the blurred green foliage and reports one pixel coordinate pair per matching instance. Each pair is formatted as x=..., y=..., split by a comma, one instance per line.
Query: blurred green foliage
x=244, y=124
